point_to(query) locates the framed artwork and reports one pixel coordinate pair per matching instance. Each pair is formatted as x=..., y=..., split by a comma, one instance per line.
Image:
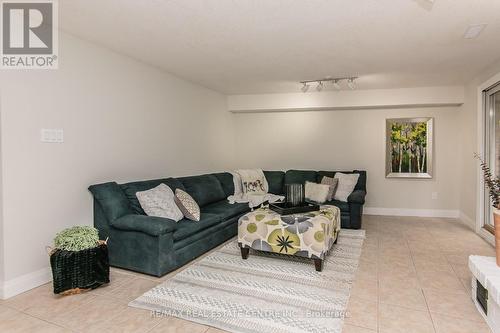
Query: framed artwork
x=409, y=148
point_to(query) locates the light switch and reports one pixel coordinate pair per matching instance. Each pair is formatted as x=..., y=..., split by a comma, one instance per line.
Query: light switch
x=49, y=135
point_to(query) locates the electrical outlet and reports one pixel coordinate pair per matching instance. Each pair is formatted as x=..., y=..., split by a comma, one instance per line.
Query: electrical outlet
x=434, y=195
x=52, y=135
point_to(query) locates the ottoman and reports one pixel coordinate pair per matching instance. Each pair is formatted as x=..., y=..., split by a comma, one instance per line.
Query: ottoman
x=309, y=235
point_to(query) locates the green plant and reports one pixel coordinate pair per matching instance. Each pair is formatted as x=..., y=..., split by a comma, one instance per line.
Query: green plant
x=77, y=238
x=491, y=183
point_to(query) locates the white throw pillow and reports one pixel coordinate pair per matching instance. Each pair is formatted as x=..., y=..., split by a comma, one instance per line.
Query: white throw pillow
x=316, y=192
x=347, y=183
x=159, y=202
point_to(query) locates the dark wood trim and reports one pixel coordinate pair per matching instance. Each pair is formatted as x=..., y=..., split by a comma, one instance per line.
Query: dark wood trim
x=489, y=228
x=318, y=263
x=244, y=252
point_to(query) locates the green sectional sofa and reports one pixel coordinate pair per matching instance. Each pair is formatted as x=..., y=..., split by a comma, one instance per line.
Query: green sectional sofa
x=156, y=246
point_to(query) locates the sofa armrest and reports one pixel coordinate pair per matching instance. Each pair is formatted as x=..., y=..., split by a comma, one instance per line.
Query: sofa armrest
x=151, y=225
x=357, y=197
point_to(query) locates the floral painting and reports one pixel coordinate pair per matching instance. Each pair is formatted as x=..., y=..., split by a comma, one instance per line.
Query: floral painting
x=409, y=147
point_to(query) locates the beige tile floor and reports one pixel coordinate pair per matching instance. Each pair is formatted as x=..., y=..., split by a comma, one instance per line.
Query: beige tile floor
x=412, y=278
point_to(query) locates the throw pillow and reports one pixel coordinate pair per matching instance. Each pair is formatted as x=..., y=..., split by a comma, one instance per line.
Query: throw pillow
x=253, y=181
x=316, y=192
x=347, y=183
x=159, y=202
x=187, y=205
x=333, y=183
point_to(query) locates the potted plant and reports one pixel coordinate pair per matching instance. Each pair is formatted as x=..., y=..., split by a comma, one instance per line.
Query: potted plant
x=79, y=260
x=493, y=185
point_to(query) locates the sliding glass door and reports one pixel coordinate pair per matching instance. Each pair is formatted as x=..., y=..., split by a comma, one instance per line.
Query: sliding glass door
x=491, y=143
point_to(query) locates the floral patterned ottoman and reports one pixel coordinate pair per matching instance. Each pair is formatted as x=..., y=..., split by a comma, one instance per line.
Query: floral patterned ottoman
x=309, y=235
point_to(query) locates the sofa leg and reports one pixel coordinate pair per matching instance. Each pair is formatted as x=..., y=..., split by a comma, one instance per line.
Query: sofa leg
x=244, y=252
x=318, y=263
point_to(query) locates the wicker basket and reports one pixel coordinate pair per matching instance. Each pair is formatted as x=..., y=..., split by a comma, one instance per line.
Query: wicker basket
x=74, y=271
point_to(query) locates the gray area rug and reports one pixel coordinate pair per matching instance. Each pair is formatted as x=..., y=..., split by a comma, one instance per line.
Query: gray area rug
x=265, y=293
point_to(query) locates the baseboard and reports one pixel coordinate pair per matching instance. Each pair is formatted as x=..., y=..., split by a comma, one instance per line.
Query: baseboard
x=25, y=282
x=467, y=221
x=412, y=212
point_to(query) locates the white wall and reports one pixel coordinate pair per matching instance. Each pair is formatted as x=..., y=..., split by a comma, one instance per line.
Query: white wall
x=122, y=121
x=355, y=139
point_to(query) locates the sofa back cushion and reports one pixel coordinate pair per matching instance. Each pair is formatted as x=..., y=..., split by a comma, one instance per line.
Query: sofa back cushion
x=361, y=185
x=276, y=181
x=112, y=200
x=300, y=176
x=204, y=189
x=130, y=190
x=226, y=180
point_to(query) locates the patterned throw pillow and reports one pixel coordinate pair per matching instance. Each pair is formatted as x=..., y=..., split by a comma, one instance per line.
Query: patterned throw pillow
x=187, y=205
x=333, y=182
x=159, y=202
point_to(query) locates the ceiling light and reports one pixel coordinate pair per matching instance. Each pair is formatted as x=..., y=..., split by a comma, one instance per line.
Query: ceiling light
x=351, y=83
x=305, y=87
x=474, y=30
x=319, y=87
x=336, y=84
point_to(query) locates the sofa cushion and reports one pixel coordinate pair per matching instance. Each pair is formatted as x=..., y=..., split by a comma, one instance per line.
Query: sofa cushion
x=226, y=210
x=343, y=206
x=130, y=190
x=300, y=176
x=112, y=199
x=204, y=189
x=226, y=180
x=275, y=180
x=151, y=225
x=186, y=228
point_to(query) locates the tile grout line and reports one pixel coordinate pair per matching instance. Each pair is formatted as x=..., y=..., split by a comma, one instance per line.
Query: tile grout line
x=421, y=289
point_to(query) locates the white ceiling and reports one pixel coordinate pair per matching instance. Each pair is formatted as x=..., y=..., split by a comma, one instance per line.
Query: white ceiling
x=263, y=46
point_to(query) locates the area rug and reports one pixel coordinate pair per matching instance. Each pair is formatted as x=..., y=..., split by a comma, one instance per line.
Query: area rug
x=265, y=293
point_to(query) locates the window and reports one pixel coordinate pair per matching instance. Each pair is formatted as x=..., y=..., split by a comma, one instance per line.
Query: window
x=491, y=143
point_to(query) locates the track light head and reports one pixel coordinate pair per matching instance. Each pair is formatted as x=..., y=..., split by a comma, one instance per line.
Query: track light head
x=319, y=87
x=351, y=84
x=335, y=81
x=336, y=84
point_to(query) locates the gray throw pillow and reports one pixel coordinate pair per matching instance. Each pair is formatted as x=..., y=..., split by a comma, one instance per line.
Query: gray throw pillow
x=333, y=182
x=159, y=202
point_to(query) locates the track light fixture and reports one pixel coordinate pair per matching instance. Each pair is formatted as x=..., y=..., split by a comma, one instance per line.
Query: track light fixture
x=335, y=82
x=319, y=87
x=351, y=84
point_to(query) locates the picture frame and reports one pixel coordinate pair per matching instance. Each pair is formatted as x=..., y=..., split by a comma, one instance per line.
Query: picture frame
x=409, y=148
